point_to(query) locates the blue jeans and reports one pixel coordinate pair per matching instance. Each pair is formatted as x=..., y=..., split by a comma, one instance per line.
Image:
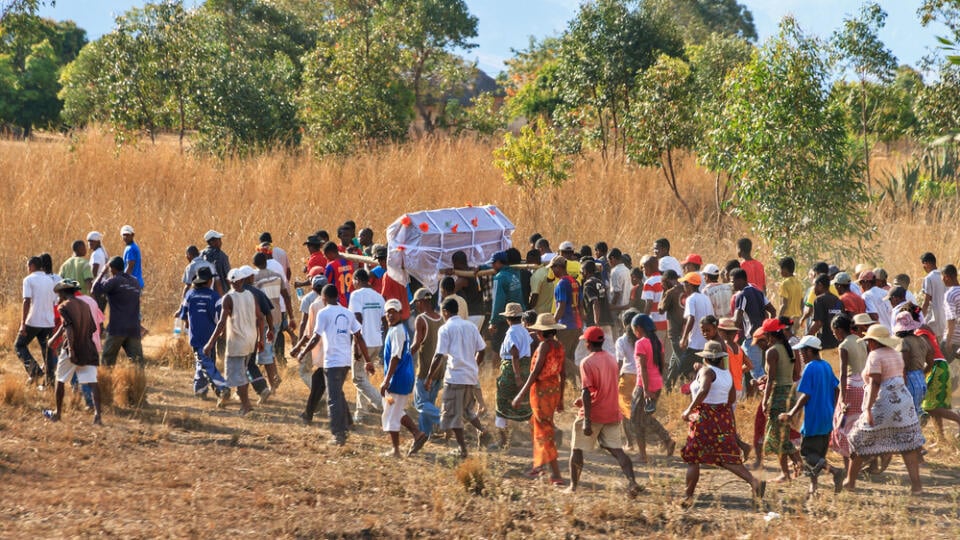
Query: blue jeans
x=426, y=404
x=339, y=411
x=755, y=354
x=206, y=373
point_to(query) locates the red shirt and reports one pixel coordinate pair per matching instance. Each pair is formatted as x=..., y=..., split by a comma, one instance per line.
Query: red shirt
x=755, y=274
x=316, y=260
x=601, y=376
x=852, y=303
x=393, y=290
x=340, y=273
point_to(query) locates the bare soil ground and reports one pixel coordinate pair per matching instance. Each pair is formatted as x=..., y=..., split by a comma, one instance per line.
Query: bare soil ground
x=179, y=467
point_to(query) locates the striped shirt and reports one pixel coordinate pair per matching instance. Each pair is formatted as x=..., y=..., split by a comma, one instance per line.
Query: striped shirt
x=653, y=292
x=951, y=305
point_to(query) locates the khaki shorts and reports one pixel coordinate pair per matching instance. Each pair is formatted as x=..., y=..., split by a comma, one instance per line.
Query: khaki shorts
x=455, y=404
x=66, y=369
x=606, y=435
x=390, y=419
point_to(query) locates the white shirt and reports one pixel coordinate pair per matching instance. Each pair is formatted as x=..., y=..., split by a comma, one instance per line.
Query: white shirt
x=99, y=256
x=277, y=267
x=720, y=295
x=719, y=388
x=698, y=306
x=369, y=304
x=619, y=285
x=38, y=287
x=876, y=302
x=460, y=341
x=668, y=262
x=625, y=355
x=934, y=288
x=516, y=336
x=280, y=256
x=336, y=325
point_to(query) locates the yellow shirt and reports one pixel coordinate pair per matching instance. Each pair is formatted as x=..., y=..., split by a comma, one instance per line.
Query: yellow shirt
x=811, y=296
x=791, y=291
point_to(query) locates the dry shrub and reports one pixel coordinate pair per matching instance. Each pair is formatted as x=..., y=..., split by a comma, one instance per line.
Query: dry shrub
x=9, y=323
x=472, y=476
x=12, y=392
x=176, y=353
x=130, y=386
x=105, y=382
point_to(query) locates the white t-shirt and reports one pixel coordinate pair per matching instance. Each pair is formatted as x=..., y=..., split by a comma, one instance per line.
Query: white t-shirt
x=516, y=336
x=307, y=301
x=369, y=304
x=669, y=262
x=699, y=306
x=336, y=325
x=280, y=255
x=625, y=355
x=934, y=288
x=277, y=267
x=619, y=285
x=99, y=256
x=460, y=340
x=38, y=287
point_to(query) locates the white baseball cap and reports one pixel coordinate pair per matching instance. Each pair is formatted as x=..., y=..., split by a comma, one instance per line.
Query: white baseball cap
x=566, y=246
x=211, y=234
x=808, y=341
x=393, y=304
x=94, y=236
x=239, y=274
x=711, y=269
x=126, y=229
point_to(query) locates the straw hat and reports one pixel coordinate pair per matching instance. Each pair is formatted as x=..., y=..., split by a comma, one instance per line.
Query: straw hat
x=862, y=319
x=546, y=321
x=712, y=349
x=512, y=310
x=727, y=323
x=881, y=335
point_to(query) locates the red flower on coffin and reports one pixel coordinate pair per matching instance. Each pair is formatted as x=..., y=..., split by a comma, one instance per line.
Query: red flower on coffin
x=474, y=222
x=454, y=228
x=424, y=227
x=406, y=221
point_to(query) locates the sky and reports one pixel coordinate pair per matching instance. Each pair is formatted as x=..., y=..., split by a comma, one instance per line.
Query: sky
x=508, y=24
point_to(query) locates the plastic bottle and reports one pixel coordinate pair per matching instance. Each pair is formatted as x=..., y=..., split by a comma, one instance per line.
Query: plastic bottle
x=177, y=327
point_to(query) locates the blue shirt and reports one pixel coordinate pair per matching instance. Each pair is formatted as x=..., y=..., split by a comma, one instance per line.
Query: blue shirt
x=819, y=384
x=564, y=292
x=403, y=377
x=132, y=253
x=200, y=308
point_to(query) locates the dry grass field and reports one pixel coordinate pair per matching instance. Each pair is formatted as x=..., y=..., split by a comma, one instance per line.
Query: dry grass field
x=175, y=466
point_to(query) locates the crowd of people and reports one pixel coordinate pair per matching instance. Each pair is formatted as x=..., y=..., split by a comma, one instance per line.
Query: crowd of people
x=587, y=323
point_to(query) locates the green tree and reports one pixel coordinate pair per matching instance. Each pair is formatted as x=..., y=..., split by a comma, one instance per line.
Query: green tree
x=84, y=94
x=857, y=46
x=660, y=125
x=531, y=162
x=782, y=140
x=531, y=82
x=601, y=53
x=701, y=18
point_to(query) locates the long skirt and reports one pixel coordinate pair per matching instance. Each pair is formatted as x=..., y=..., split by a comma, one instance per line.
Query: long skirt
x=712, y=437
x=544, y=400
x=938, y=387
x=776, y=438
x=895, y=428
x=846, y=414
x=628, y=381
x=507, y=389
x=917, y=386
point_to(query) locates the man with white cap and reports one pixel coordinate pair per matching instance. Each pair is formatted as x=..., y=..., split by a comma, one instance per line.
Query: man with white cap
x=242, y=322
x=214, y=255
x=132, y=258
x=98, y=260
x=718, y=293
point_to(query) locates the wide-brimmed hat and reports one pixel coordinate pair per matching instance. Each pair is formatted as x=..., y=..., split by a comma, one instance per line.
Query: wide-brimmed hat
x=881, y=335
x=313, y=241
x=66, y=285
x=712, y=349
x=862, y=319
x=905, y=322
x=513, y=310
x=546, y=321
x=727, y=323
x=204, y=274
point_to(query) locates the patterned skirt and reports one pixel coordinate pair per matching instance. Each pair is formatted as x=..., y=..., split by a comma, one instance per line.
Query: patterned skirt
x=895, y=428
x=843, y=420
x=917, y=387
x=776, y=438
x=712, y=437
x=544, y=400
x=507, y=389
x=938, y=387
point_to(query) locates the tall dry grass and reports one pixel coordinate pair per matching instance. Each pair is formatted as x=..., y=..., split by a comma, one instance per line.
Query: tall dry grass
x=54, y=192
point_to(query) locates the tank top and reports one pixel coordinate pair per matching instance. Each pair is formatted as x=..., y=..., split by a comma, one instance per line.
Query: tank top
x=856, y=354
x=719, y=389
x=242, y=324
x=428, y=348
x=784, y=366
x=735, y=365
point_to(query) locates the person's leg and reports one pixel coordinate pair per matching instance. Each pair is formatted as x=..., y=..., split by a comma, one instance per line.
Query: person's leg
x=317, y=386
x=133, y=348
x=692, y=477
x=625, y=465
x=912, y=461
x=756, y=357
x=22, y=348
x=576, y=467
x=111, y=348
x=337, y=403
x=461, y=441
x=279, y=342
x=59, y=400
x=368, y=398
x=49, y=355
x=200, y=380
x=428, y=415
x=939, y=415
x=741, y=471
x=95, y=393
x=855, y=463
x=255, y=376
x=209, y=370
x=243, y=391
x=639, y=421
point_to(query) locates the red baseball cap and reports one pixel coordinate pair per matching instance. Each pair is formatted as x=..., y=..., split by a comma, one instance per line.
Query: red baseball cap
x=593, y=334
x=693, y=258
x=772, y=325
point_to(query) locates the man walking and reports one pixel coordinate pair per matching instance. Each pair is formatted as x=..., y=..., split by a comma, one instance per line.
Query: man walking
x=214, y=255
x=368, y=307
x=199, y=310
x=79, y=354
x=36, y=321
x=77, y=267
x=122, y=291
x=132, y=258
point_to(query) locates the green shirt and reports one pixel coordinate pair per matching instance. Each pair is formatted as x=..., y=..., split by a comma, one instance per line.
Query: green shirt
x=77, y=268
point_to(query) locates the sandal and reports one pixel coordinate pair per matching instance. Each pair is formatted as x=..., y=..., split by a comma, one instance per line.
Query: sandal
x=535, y=472
x=417, y=444
x=557, y=482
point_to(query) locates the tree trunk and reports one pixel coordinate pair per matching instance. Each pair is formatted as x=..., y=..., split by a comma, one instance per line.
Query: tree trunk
x=666, y=166
x=863, y=133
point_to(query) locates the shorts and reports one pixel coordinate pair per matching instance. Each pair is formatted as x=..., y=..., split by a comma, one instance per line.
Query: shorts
x=392, y=414
x=66, y=369
x=606, y=435
x=455, y=403
x=235, y=371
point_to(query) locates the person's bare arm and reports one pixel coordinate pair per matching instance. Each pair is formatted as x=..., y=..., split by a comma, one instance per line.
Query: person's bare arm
x=419, y=334
x=24, y=311
x=770, y=357
x=226, y=310
x=687, y=329
x=770, y=309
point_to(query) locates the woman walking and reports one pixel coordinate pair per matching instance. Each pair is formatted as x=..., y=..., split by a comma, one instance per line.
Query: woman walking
x=648, y=354
x=514, y=371
x=889, y=422
x=853, y=357
x=545, y=385
x=624, y=348
x=711, y=438
x=778, y=394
